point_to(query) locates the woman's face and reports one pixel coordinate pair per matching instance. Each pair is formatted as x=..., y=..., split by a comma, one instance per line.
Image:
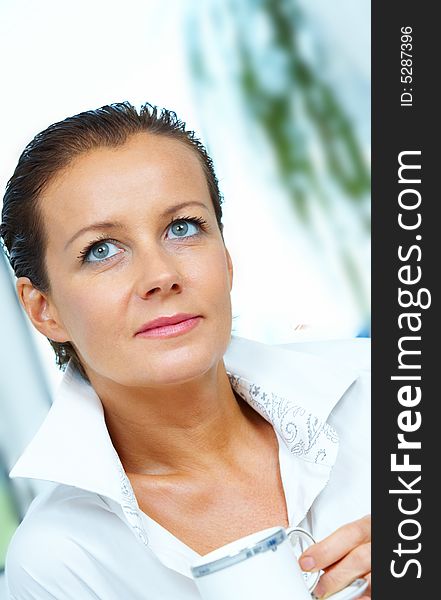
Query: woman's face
x=144, y=267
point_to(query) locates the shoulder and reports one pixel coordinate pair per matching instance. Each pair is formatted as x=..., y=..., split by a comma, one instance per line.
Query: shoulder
x=354, y=353
x=51, y=553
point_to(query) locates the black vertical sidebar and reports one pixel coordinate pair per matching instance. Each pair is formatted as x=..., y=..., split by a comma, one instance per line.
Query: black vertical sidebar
x=406, y=430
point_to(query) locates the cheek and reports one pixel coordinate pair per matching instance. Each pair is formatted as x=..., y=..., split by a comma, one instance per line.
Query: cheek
x=211, y=276
x=214, y=286
x=91, y=313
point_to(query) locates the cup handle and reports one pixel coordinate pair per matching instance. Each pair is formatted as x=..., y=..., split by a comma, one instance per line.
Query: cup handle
x=294, y=533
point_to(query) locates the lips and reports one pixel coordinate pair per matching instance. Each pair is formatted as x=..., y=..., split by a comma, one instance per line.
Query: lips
x=164, y=321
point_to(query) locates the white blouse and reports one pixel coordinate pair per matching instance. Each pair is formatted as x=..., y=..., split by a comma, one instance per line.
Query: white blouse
x=85, y=537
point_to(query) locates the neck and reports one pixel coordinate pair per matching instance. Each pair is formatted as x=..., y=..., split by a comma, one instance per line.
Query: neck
x=182, y=429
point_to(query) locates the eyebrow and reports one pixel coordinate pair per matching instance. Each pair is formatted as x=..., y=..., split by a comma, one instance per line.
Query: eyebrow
x=100, y=225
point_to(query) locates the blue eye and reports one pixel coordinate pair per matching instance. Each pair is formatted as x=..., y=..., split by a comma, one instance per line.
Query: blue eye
x=181, y=227
x=184, y=227
x=98, y=251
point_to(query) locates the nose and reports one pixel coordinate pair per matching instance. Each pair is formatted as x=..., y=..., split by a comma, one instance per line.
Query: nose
x=159, y=274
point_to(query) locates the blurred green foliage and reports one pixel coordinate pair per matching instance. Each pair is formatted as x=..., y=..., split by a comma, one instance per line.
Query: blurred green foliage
x=288, y=96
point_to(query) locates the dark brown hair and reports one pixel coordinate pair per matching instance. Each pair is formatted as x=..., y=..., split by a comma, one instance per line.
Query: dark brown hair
x=22, y=228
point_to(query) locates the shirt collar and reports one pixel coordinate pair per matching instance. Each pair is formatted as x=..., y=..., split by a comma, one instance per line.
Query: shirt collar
x=295, y=391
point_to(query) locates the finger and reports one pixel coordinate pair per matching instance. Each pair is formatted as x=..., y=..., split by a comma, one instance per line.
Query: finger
x=356, y=564
x=337, y=545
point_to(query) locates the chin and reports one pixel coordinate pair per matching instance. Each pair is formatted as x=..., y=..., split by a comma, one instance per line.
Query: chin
x=176, y=365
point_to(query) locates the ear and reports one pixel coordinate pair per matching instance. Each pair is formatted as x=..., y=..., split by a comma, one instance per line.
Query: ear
x=40, y=311
x=230, y=267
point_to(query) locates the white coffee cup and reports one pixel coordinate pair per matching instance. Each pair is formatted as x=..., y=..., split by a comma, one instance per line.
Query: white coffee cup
x=258, y=566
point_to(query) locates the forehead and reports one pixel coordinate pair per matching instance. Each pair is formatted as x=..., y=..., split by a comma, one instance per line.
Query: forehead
x=147, y=172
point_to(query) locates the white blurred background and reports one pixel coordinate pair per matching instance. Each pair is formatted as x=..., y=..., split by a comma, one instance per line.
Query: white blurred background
x=278, y=91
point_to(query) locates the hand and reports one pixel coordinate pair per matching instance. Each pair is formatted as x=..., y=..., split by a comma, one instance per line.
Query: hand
x=344, y=555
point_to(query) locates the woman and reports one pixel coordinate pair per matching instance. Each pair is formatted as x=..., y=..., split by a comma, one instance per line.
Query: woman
x=168, y=436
